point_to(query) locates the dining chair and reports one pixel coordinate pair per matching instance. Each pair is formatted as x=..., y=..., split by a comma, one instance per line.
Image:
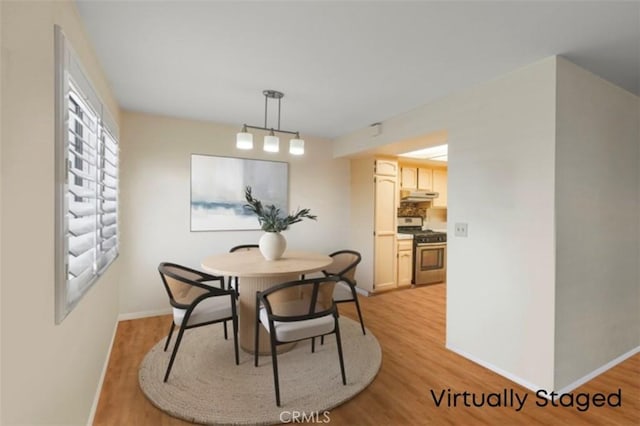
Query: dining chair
x=344, y=266
x=196, y=303
x=294, y=311
x=246, y=247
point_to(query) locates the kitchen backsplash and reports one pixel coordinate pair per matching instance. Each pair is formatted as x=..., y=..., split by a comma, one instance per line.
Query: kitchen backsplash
x=433, y=218
x=430, y=215
x=411, y=210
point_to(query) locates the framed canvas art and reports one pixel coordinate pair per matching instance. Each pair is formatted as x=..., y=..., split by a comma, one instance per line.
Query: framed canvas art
x=218, y=185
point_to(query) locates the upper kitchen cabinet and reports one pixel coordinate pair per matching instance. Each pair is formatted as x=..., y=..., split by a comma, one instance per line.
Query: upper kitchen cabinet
x=440, y=186
x=409, y=178
x=386, y=168
x=416, y=178
x=425, y=179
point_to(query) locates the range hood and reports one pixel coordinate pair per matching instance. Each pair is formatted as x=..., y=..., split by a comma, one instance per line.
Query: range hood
x=417, y=196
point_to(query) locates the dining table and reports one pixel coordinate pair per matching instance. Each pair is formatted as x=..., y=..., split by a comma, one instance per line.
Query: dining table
x=255, y=274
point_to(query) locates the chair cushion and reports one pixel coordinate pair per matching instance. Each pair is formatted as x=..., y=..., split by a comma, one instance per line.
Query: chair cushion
x=342, y=292
x=297, y=330
x=210, y=309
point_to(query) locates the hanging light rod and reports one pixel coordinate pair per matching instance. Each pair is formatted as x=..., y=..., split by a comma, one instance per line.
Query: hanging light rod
x=269, y=129
x=244, y=139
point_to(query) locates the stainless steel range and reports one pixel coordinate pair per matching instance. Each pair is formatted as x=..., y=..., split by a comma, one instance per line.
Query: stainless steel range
x=429, y=251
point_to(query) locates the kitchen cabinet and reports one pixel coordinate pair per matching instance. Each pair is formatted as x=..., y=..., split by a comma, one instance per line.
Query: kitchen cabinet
x=405, y=263
x=386, y=168
x=385, y=228
x=425, y=179
x=373, y=219
x=409, y=178
x=440, y=186
x=416, y=178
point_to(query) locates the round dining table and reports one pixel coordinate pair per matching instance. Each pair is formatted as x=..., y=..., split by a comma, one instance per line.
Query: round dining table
x=255, y=273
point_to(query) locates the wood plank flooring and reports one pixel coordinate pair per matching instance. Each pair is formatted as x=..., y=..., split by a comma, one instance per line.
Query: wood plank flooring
x=410, y=326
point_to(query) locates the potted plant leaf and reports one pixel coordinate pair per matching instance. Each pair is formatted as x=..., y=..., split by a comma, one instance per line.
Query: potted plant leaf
x=273, y=221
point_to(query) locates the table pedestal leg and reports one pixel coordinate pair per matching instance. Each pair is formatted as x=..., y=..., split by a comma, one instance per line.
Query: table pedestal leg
x=247, y=312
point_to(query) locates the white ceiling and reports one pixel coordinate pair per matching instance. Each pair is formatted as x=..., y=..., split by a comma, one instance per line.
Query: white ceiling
x=342, y=65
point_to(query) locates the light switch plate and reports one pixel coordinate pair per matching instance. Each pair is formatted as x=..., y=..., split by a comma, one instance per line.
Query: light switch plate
x=461, y=230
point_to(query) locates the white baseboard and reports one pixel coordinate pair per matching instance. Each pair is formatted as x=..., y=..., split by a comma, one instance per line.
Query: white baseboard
x=362, y=292
x=535, y=388
x=144, y=314
x=600, y=370
x=522, y=382
x=96, y=397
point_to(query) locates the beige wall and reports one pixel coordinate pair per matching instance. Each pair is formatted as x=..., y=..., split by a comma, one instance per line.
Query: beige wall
x=50, y=372
x=597, y=282
x=500, y=280
x=155, y=196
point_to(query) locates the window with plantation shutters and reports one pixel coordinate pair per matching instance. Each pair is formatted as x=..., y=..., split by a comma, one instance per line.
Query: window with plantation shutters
x=86, y=182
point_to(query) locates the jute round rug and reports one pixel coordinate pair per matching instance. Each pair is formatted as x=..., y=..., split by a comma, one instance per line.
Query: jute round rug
x=207, y=387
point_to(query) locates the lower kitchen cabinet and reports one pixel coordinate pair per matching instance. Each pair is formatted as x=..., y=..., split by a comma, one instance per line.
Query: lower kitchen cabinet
x=405, y=262
x=385, y=267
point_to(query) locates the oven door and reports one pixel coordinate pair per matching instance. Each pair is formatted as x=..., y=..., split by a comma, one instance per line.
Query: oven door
x=430, y=263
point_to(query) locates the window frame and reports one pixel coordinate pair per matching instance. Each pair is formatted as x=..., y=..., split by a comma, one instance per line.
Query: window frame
x=70, y=73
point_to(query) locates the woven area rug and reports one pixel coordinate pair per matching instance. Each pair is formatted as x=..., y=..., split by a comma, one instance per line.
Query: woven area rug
x=207, y=387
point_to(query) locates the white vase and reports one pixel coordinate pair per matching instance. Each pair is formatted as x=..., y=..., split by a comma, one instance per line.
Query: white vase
x=272, y=245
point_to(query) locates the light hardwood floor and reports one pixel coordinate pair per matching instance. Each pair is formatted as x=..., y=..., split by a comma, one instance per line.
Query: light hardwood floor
x=410, y=326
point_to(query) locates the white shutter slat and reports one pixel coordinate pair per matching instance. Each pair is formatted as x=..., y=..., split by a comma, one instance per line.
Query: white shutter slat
x=109, y=194
x=85, y=122
x=110, y=170
x=86, y=144
x=109, y=206
x=79, y=264
x=111, y=157
x=81, y=191
x=78, y=209
x=82, y=174
x=81, y=244
x=109, y=231
x=108, y=219
x=79, y=98
x=87, y=157
x=106, y=259
x=76, y=285
x=82, y=225
x=110, y=182
x=109, y=243
x=111, y=148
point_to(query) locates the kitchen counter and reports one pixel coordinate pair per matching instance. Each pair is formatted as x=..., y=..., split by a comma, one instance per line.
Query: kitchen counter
x=404, y=236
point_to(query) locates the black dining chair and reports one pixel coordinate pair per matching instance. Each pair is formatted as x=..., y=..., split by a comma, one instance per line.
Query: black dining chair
x=344, y=265
x=309, y=314
x=196, y=303
x=233, y=281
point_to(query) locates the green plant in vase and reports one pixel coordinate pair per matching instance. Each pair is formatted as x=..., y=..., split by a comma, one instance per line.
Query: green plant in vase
x=272, y=220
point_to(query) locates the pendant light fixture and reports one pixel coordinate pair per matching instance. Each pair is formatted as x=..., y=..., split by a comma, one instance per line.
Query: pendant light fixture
x=244, y=139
